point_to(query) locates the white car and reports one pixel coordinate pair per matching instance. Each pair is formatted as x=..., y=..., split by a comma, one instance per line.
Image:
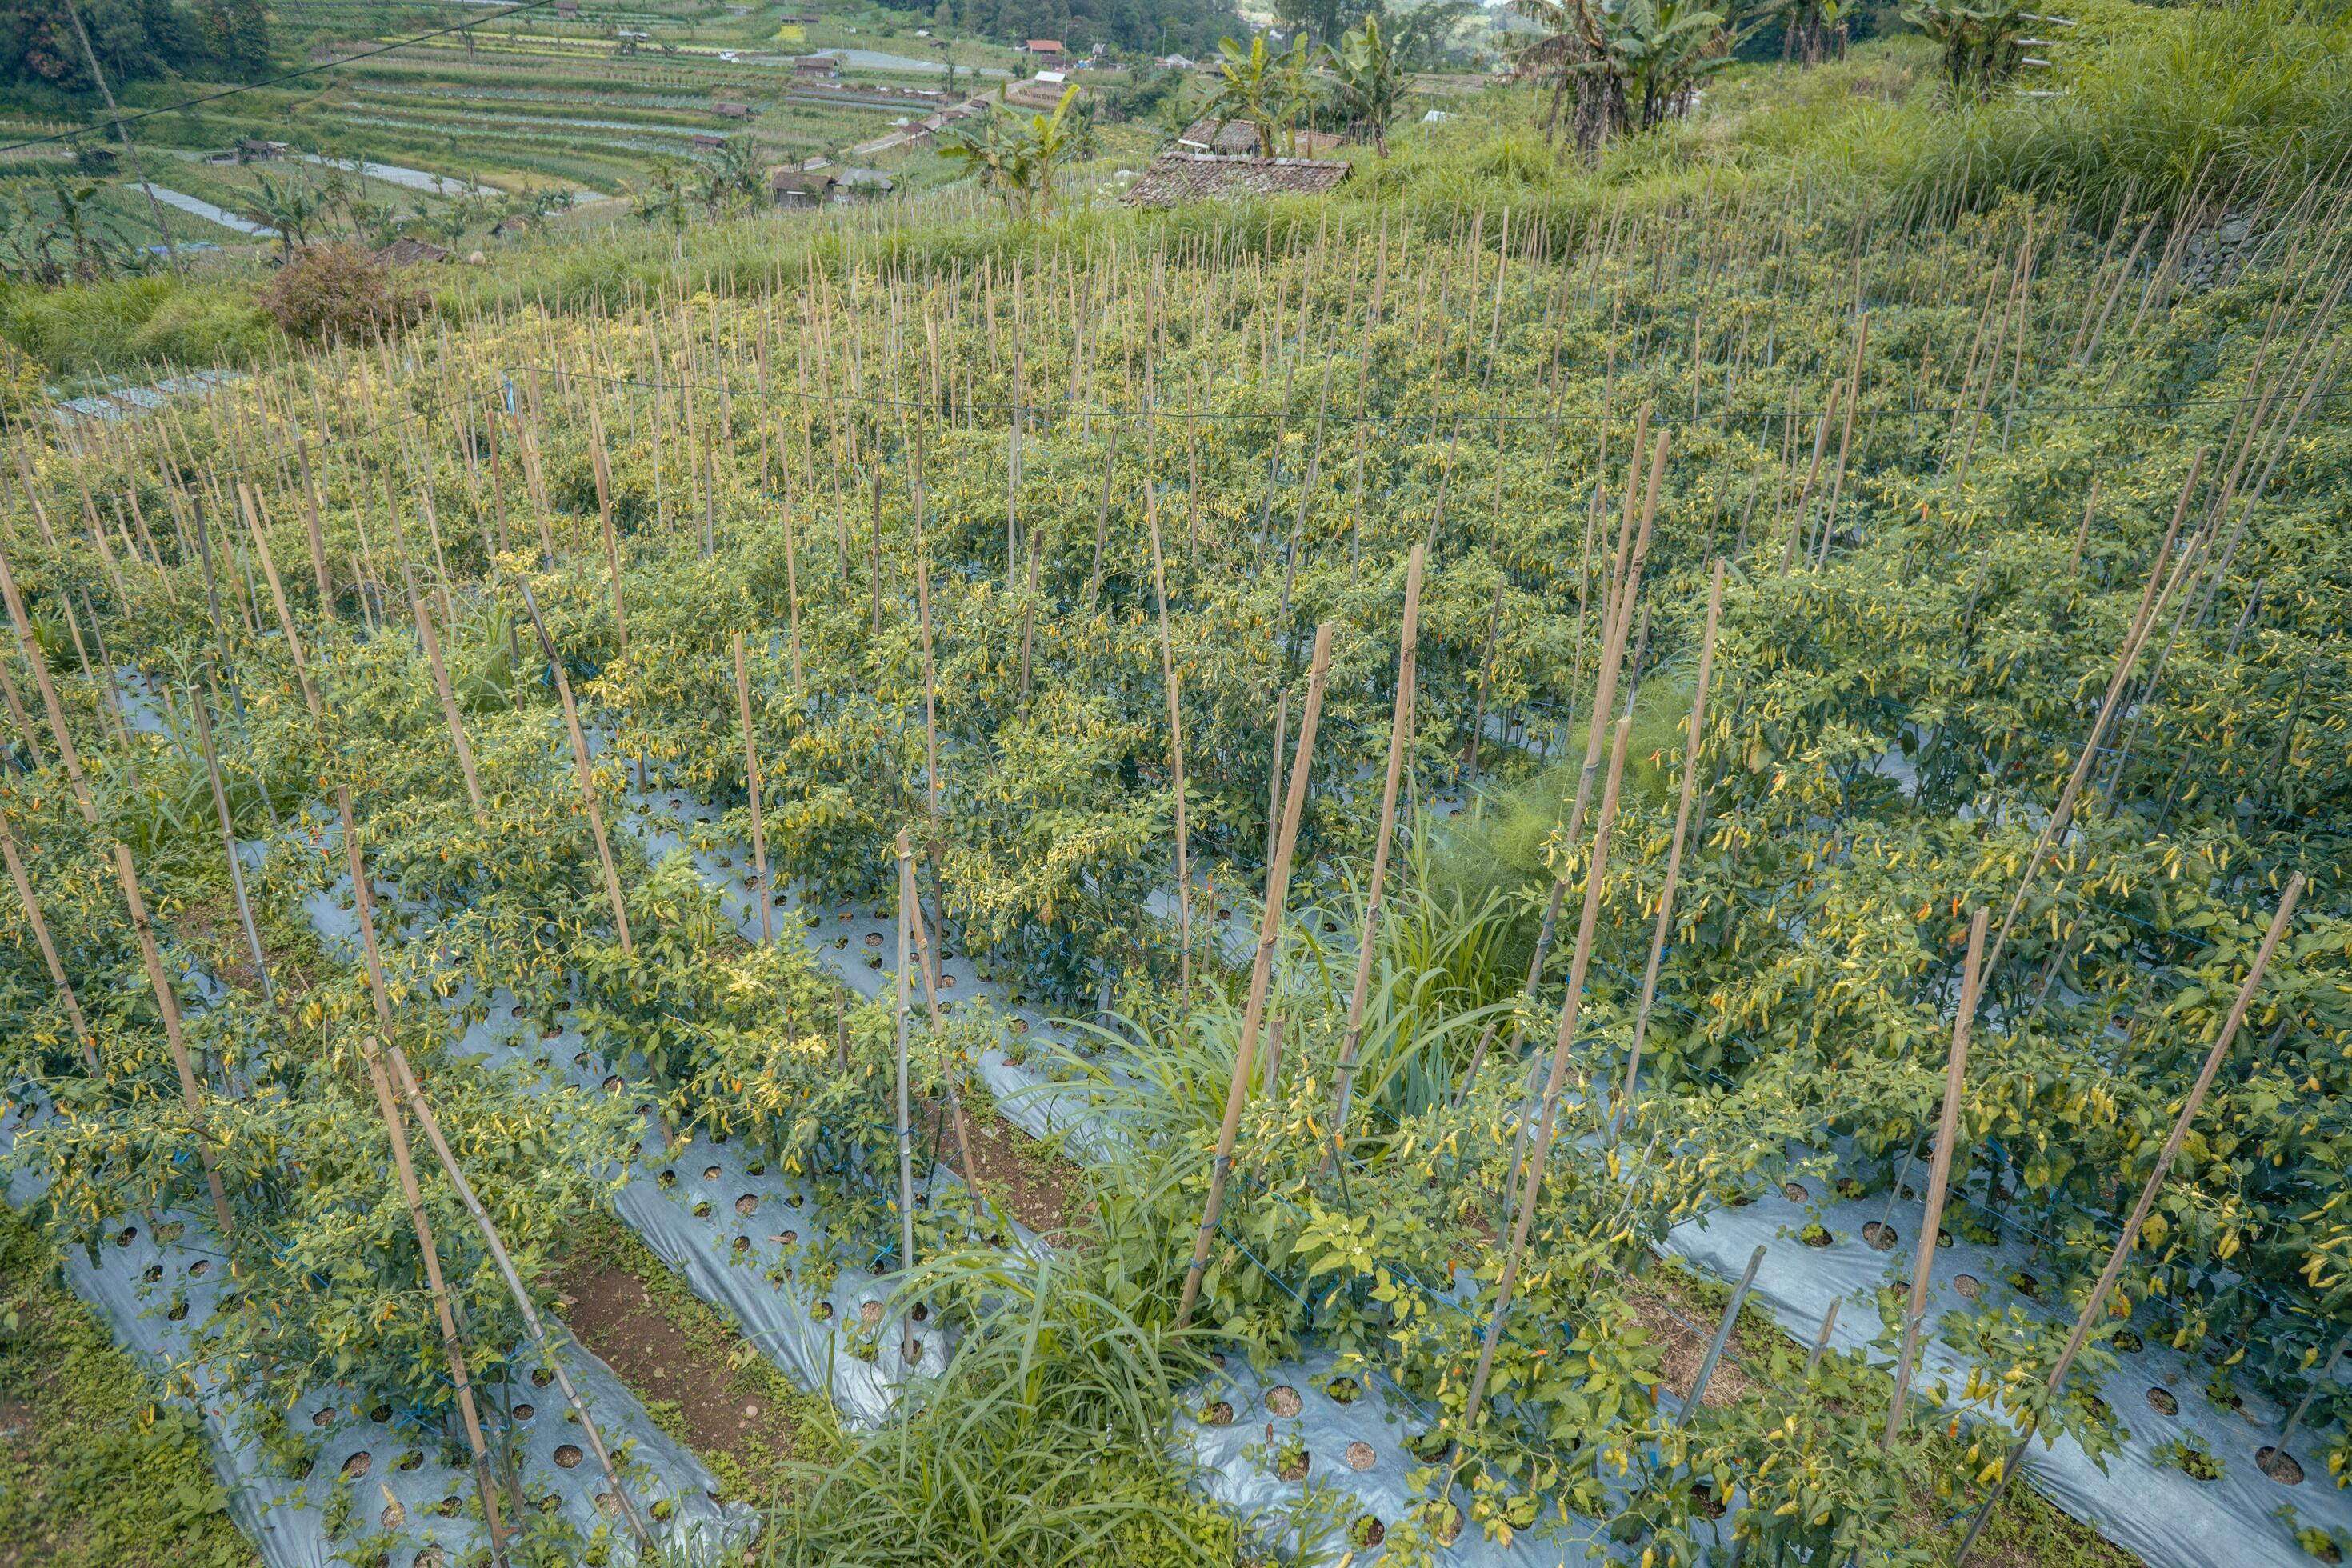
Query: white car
x=728, y=55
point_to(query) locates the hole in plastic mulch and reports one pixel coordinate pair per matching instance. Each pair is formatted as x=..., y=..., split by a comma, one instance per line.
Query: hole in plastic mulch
x=1367, y=1532
x=393, y=1516
x=710, y=1172
x=747, y=1204
x=1283, y=1400
x=1217, y=1413
x=1967, y=1285
x=567, y=1456
x=380, y=1415
x=525, y=1412
x=322, y=1417
x=2280, y=1466
x=154, y=1272
x=541, y=1377
x=429, y=1557
x=2162, y=1401
x=822, y=1311
x=357, y=1465
x=179, y=1310
x=129, y=1235
x=869, y=1315
x=607, y=1504
x=1361, y=1456
x=409, y=1460
x=1795, y=1193
x=1879, y=1236
x=613, y=1083
x=200, y=1267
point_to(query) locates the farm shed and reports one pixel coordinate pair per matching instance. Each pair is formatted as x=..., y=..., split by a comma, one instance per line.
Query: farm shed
x=729, y=109
x=410, y=252
x=799, y=188
x=1176, y=177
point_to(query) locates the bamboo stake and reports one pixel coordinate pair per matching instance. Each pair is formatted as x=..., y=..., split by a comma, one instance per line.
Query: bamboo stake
x=2096, y=1306
x=1277, y=881
x=432, y=641
x=1633, y=552
x=930, y=970
x=587, y=774
x=277, y=597
x=17, y=874
x=1478, y=708
x=898, y=1013
x=930, y=737
x=1939, y=1172
x=228, y=844
x=451, y=1348
x=601, y=464
x=174, y=1036
x=424, y=1118
x=1399, y=728
x=56, y=711
x=1175, y=752
x=752, y=776
x=1675, y=853
x=1540, y=1155
x=318, y=536
x=2151, y=602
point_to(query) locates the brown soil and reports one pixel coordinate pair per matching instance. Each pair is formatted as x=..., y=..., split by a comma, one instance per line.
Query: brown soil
x=211, y=928
x=613, y=1313
x=1682, y=1348
x=1014, y=1171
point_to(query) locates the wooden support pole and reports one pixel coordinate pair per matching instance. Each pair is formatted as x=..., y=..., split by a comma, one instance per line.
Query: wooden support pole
x=23, y=881
x=1175, y=752
x=928, y=968
x=1722, y=1340
x=752, y=777
x=2094, y=1308
x=2152, y=599
x=1540, y=1155
x=277, y=597
x=1674, y=854
x=1485, y=674
x=898, y=1017
x=1939, y=1175
x=168, y=1002
x=229, y=843
x=424, y=1118
x=1400, y=737
x=602, y=465
x=318, y=536
x=586, y=772
x=1277, y=883
x=432, y=644
x=1617, y=618
x=451, y=1348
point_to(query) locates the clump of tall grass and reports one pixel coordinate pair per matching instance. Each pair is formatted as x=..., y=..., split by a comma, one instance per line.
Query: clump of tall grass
x=1043, y=1443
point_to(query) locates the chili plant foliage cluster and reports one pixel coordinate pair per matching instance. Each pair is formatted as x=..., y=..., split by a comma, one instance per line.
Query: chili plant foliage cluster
x=1939, y=451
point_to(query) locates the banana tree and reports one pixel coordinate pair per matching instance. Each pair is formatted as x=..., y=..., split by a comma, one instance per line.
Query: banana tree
x=1372, y=82
x=1983, y=45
